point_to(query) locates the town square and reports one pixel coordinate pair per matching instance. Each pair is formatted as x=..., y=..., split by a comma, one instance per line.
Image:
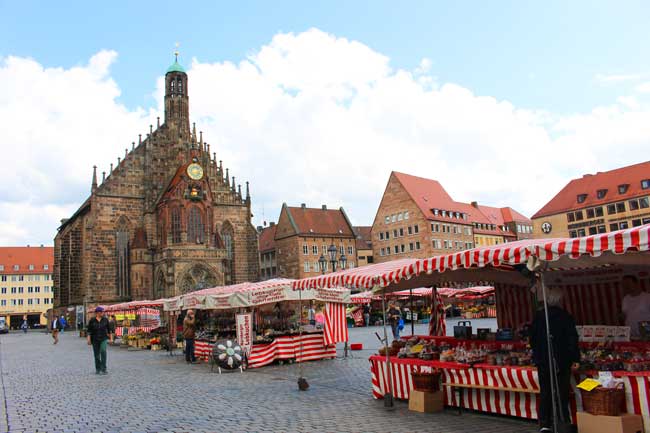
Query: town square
x=327, y=217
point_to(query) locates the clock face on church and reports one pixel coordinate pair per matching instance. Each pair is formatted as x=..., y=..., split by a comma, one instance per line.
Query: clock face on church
x=195, y=171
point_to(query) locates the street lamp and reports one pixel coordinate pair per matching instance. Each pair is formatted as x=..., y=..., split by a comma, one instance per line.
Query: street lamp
x=332, y=253
x=344, y=260
x=322, y=260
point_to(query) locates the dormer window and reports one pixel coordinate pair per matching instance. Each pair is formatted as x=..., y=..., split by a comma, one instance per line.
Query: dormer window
x=435, y=212
x=622, y=189
x=582, y=198
x=645, y=184
x=601, y=193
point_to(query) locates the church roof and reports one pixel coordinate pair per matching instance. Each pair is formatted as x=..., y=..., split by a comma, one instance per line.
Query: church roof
x=175, y=67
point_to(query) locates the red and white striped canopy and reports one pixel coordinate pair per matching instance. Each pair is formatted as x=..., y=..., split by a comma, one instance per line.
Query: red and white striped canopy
x=580, y=252
x=134, y=305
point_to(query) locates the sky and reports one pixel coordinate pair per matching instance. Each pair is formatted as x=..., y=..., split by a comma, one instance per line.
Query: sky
x=316, y=102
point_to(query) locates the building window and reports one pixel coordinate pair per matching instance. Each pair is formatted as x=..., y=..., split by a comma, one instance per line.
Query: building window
x=30, y=301
x=578, y=215
x=634, y=204
x=305, y=249
x=13, y=302
x=401, y=231
x=381, y=236
x=2, y=268
x=4, y=303
x=306, y=266
x=21, y=277
x=31, y=267
x=176, y=225
x=636, y=222
x=351, y=264
x=46, y=289
x=411, y=246
x=591, y=213
x=387, y=235
x=415, y=228
x=46, y=301
x=195, y=227
x=402, y=248
x=582, y=198
x=406, y=215
x=394, y=233
x=14, y=290
x=645, y=184
x=46, y=267
x=417, y=245
x=382, y=251
x=622, y=225
x=350, y=251
x=611, y=209
x=16, y=267
x=393, y=218
x=4, y=290
x=37, y=301
x=622, y=189
x=21, y=289
x=3, y=278
x=435, y=227
x=400, y=216
x=599, y=211
x=396, y=249
x=30, y=290
x=601, y=193
x=613, y=227
x=620, y=207
x=643, y=203
x=314, y=250
x=21, y=301
x=387, y=220
x=593, y=230
x=341, y=249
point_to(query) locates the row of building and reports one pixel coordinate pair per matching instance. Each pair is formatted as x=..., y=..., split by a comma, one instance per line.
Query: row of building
x=169, y=217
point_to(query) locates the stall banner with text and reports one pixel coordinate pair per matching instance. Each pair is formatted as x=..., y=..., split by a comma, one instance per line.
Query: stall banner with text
x=245, y=331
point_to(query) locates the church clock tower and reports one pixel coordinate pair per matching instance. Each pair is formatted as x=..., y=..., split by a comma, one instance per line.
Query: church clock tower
x=176, y=100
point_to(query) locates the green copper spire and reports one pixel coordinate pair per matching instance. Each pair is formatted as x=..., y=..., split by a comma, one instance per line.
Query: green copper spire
x=175, y=67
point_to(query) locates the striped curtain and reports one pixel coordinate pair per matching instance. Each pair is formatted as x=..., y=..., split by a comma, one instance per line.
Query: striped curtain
x=336, y=327
x=437, y=322
x=514, y=305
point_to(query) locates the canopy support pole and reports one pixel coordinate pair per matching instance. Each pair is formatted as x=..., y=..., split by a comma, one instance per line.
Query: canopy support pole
x=412, y=321
x=551, y=356
x=388, y=397
x=302, y=382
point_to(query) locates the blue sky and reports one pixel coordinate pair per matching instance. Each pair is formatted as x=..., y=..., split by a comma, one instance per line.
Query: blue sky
x=541, y=55
x=316, y=102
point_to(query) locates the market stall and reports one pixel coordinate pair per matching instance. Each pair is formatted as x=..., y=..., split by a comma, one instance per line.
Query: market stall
x=136, y=316
x=278, y=327
x=500, y=379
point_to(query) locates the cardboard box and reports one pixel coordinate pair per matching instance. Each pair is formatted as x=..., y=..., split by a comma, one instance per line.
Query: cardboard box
x=427, y=402
x=626, y=423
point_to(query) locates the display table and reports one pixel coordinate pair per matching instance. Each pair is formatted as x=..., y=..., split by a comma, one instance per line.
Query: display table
x=522, y=403
x=282, y=348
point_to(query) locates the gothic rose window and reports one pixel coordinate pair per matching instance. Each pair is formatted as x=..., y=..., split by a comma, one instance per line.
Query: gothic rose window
x=176, y=226
x=195, y=227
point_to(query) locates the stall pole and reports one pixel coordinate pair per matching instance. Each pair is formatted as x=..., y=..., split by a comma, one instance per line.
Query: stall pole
x=412, y=322
x=551, y=357
x=302, y=382
x=388, y=397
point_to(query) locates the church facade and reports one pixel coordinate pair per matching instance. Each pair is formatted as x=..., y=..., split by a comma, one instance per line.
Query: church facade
x=168, y=219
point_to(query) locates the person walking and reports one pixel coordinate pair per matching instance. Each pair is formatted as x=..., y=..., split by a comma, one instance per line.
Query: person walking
x=55, y=327
x=394, y=317
x=366, y=314
x=63, y=323
x=635, y=306
x=24, y=325
x=566, y=354
x=112, y=322
x=98, y=333
x=189, y=333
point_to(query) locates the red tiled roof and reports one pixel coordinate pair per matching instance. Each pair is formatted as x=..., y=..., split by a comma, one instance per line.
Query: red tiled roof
x=364, y=240
x=567, y=198
x=314, y=221
x=511, y=215
x=429, y=194
x=24, y=257
x=267, y=239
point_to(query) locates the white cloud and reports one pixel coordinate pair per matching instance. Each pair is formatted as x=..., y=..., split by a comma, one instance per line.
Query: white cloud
x=615, y=78
x=307, y=118
x=643, y=87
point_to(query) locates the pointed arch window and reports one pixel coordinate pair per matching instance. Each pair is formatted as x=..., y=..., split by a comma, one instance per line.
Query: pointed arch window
x=195, y=226
x=179, y=86
x=122, y=253
x=172, y=88
x=176, y=226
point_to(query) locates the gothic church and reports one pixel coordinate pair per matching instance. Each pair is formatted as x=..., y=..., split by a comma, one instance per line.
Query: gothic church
x=168, y=219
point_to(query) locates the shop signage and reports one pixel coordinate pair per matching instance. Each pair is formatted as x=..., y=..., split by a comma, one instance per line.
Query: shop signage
x=245, y=331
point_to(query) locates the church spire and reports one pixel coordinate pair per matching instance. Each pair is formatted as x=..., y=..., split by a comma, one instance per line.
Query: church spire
x=176, y=99
x=94, y=184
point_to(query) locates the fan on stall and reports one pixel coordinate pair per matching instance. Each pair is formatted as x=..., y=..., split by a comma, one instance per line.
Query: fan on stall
x=227, y=354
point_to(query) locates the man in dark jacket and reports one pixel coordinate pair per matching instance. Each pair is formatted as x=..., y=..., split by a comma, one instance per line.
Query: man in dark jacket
x=189, y=333
x=98, y=333
x=566, y=353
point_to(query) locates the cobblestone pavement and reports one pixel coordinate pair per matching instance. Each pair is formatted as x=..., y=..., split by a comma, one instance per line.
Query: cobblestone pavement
x=54, y=389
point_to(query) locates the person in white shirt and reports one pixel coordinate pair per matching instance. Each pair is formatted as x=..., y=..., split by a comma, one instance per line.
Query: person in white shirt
x=636, y=304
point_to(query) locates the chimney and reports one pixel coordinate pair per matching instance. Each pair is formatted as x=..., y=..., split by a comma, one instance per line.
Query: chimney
x=475, y=204
x=303, y=205
x=324, y=207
